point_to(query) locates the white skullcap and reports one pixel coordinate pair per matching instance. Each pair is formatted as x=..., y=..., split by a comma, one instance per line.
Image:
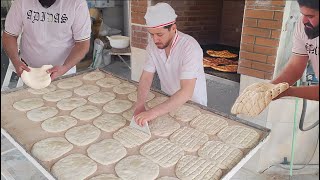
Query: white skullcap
x=160, y=15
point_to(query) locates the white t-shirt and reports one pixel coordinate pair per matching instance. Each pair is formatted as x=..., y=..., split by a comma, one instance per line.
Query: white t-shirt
x=302, y=46
x=184, y=62
x=48, y=34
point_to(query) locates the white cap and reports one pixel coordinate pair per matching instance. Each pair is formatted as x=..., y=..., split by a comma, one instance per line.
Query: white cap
x=160, y=15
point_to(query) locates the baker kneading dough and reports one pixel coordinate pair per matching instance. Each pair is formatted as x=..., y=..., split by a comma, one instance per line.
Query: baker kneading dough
x=37, y=78
x=256, y=97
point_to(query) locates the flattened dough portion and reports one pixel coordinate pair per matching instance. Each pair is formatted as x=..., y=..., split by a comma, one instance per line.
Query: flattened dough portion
x=107, y=151
x=117, y=106
x=109, y=122
x=93, y=76
x=124, y=88
x=51, y=148
x=42, y=113
x=128, y=114
x=57, y=95
x=82, y=135
x=86, y=112
x=167, y=178
x=163, y=126
x=137, y=167
x=156, y=101
x=185, y=113
x=105, y=177
x=87, y=90
x=74, y=166
x=71, y=103
x=209, y=124
x=108, y=82
x=58, y=123
x=45, y=90
x=239, y=136
x=133, y=96
x=130, y=137
x=28, y=104
x=69, y=83
x=101, y=97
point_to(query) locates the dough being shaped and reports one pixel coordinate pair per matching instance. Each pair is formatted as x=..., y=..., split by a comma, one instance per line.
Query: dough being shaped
x=74, y=166
x=93, y=76
x=28, y=104
x=117, y=106
x=109, y=122
x=86, y=90
x=108, y=82
x=105, y=177
x=42, y=113
x=107, y=151
x=86, y=112
x=57, y=95
x=69, y=83
x=45, y=90
x=58, y=123
x=185, y=113
x=163, y=126
x=156, y=101
x=131, y=137
x=101, y=97
x=209, y=124
x=51, y=148
x=71, y=103
x=37, y=78
x=133, y=96
x=124, y=88
x=82, y=135
x=137, y=167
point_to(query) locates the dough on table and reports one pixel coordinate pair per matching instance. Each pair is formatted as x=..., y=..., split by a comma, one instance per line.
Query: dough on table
x=45, y=90
x=163, y=126
x=28, y=104
x=101, y=97
x=82, y=135
x=51, y=148
x=133, y=96
x=167, y=178
x=239, y=136
x=105, y=177
x=128, y=114
x=196, y=168
x=162, y=151
x=117, y=106
x=71, y=103
x=137, y=167
x=109, y=122
x=185, y=113
x=124, y=88
x=131, y=137
x=209, y=124
x=189, y=139
x=57, y=95
x=74, y=166
x=58, y=123
x=156, y=101
x=108, y=82
x=93, y=76
x=86, y=90
x=107, y=151
x=86, y=112
x=69, y=83
x=37, y=78
x=225, y=156
x=42, y=113
x=256, y=97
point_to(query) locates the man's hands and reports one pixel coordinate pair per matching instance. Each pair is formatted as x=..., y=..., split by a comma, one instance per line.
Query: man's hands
x=20, y=67
x=57, y=71
x=141, y=115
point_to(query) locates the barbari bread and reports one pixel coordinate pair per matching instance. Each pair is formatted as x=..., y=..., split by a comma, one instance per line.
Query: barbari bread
x=221, y=54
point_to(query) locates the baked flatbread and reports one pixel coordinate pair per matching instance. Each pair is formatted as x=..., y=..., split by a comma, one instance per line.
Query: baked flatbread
x=221, y=54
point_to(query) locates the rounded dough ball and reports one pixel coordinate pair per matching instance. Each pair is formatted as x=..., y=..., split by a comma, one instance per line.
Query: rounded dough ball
x=58, y=123
x=28, y=104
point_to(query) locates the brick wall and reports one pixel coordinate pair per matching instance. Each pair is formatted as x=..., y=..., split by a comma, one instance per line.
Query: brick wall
x=231, y=22
x=260, y=37
x=139, y=33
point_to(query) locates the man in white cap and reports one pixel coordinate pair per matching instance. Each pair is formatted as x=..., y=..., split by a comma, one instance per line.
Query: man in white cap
x=177, y=58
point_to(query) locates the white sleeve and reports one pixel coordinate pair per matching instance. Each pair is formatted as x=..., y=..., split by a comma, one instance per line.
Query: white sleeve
x=149, y=64
x=192, y=62
x=81, y=26
x=13, y=23
x=298, y=40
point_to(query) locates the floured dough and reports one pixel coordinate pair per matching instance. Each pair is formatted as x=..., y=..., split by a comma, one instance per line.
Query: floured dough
x=58, y=123
x=74, y=166
x=42, y=113
x=45, y=90
x=185, y=113
x=51, y=148
x=209, y=124
x=256, y=97
x=196, y=168
x=82, y=135
x=86, y=90
x=57, y=95
x=130, y=137
x=37, y=78
x=71, y=103
x=189, y=139
x=69, y=83
x=128, y=114
x=163, y=126
x=239, y=136
x=137, y=167
x=108, y=82
x=117, y=106
x=93, y=76
x=133, y=96
x=156, y=101
x=124, y=88
x=101, y=97
x=105, y=177
x=109, y=122
x=162, y=151
x=28, y=104
x=225, y=156
x=107, y=151
x=86, y=112
x=167, y=178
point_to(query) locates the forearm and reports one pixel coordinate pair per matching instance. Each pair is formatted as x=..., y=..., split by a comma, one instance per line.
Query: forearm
x=10, y=46
x=145, y=83
x=77, y=53
x=305, y=92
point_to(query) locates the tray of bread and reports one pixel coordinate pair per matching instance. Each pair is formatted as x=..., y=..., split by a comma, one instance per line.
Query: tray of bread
x=78, y=128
